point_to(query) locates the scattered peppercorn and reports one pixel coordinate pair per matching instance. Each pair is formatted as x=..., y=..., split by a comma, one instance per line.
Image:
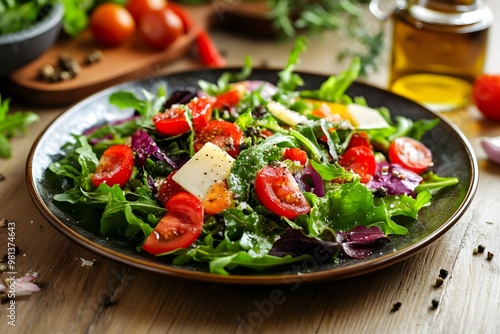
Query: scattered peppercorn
x=396, y=307
x=439, y=282
x=67, y=67
x=443, y=273
x=489, y=257
x=435, y=303
x=481, y=248
x=93, y=57
x=475, y=251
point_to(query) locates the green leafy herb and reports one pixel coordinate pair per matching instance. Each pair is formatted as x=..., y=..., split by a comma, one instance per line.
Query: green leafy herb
x=11, y=125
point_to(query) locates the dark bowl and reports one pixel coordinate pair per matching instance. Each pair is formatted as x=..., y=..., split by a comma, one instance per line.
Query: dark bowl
x=453, y=156
x=19, y=48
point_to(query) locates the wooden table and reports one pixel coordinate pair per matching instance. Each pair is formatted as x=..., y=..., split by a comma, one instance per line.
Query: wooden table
x=113, y=298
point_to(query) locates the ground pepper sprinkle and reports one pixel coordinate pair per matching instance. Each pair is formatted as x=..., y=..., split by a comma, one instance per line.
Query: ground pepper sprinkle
x=443, y=273
x=435, y=303
x=439, y=282
x=396, y=307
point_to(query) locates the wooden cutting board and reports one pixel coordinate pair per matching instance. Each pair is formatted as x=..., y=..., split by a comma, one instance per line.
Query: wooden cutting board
x=128, y=61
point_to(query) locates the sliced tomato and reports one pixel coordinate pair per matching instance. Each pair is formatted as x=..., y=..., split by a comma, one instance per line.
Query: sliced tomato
x=179, y=228
x=360, y=160
x=115, y=166
x=410, y=154
x=226, y=135
x=168, y=188
x=230, y=98
x=279, y=192
x=359, y=139
x=173, y=121
x=295, y=154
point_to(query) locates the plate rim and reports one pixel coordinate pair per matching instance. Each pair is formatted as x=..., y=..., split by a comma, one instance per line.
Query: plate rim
x=338, y=273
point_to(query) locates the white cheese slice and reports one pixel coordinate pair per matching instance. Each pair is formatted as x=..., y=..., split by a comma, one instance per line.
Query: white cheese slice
x=366, y=118
x=285, y=114
x=208, y=166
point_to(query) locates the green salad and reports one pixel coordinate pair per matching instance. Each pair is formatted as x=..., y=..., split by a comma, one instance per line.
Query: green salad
x=243, y=175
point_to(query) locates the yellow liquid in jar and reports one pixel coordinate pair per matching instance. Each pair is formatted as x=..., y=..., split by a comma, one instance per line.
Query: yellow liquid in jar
x=436, y=65
x=436, y=92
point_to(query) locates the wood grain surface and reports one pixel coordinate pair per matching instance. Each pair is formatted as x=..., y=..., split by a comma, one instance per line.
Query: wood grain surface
x=108, y=297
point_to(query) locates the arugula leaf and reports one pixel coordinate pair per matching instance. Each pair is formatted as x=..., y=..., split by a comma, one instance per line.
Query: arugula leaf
x=435, y=182
x=11, y=125
x=334, y=88
x=253, y=159
x=330, y=172
x=225, y=79
x=288, y=79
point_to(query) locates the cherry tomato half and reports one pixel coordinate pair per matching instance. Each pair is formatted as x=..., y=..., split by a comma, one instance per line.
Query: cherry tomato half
x=230, y=98
x=160, y=28
x=410, y=154
x=173, y=121
x=486, y=95
x=279, y=192
x=296, y=154
x=179, y=228
x=226, y=135
x=360, y=160
x=115, y=166
x=111, y=24
x=138, y=7
x=359, y=139
x=168, y=188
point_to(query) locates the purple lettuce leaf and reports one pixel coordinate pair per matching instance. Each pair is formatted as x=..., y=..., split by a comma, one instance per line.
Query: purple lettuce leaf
x=358, y=243
x=361, y=241
x=395, y=179
x=145, y=146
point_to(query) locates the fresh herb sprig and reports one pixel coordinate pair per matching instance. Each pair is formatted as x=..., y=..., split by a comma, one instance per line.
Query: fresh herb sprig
x=11, y=125
x=294, y=16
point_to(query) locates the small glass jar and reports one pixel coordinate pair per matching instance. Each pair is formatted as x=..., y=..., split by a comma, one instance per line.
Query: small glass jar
x=438, y=50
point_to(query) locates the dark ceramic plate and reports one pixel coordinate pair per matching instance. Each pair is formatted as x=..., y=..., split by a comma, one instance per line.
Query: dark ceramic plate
x=453, y=157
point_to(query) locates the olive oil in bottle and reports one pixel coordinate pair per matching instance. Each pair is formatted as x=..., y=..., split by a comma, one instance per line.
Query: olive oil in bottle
x=438, y=50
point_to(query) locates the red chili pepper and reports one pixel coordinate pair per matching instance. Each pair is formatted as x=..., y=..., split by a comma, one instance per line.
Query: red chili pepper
x=208, y=52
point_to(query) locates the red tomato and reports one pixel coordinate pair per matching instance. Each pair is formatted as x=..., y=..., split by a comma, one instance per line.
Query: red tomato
x=279, y=192
x=186, y=19
x=160, y=28
x=115, y=166
x=229, y=98
x=226, y=135
x=173, y=122
x=168, y=188
x=359, y=139
x=111, y=24
x=486, y=95
x=360, y=160
x=410, y=154
x=138, y=7
x=296, y=154
x=179, y=228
